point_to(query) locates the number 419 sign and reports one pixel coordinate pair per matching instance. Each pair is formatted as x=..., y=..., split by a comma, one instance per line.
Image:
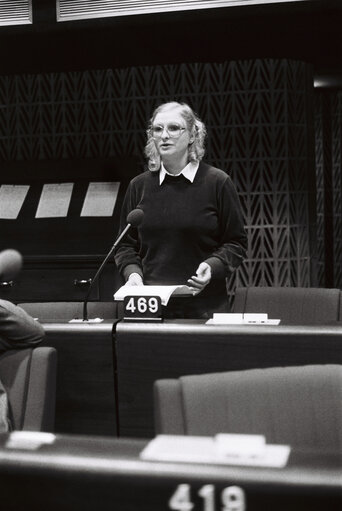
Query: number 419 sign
x=232, y=498
x=142, y=308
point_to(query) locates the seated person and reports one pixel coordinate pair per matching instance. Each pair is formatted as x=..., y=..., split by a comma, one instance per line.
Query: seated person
x=17, y=330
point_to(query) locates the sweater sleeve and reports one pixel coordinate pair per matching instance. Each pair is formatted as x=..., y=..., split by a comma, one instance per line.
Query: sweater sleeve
x=232, y=246
x=126, y=254
x=17, y=328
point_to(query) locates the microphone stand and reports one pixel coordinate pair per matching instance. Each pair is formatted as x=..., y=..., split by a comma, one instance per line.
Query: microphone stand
x=85, y=303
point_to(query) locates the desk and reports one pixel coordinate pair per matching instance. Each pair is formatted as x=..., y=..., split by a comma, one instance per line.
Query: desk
x=147, y=352
x=88, y=473
x=85, y=377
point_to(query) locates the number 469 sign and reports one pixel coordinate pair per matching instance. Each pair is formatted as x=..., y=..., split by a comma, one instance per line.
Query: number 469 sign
x=140, y=308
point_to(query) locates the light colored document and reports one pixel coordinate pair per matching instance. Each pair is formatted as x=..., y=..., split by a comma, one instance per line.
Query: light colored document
x=11, y=200
x=236, y=318
x=54, y=200
x=195, y=449
x=29, y=440
x=100, y=199
x=164, y=292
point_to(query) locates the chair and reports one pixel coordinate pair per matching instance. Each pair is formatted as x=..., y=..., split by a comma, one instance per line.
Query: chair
x=290, y=304
x=29, y=377
x=64, y=311
x=300, y=406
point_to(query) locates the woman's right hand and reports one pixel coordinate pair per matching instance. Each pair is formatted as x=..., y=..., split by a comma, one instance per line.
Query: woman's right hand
x=134, y=280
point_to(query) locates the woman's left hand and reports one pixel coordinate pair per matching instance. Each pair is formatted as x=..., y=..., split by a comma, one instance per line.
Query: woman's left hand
x=201, y=279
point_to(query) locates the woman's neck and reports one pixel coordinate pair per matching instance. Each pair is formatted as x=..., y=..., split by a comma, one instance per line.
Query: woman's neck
x=175, y=166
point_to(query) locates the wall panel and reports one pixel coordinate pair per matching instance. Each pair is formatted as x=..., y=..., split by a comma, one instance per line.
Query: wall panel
x=328, y=144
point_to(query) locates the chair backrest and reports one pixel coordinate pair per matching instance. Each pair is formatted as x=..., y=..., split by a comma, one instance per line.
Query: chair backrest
x=29, y=377
x=300, y=406
x=64, y=311
x=290, y=304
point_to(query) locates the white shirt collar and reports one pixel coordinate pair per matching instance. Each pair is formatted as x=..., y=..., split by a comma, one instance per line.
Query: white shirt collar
x=189, y=172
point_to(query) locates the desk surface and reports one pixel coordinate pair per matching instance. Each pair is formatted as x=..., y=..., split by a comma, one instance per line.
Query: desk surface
x=83, y=472
x=199, y=327
x=53, y=327
x=85, y=400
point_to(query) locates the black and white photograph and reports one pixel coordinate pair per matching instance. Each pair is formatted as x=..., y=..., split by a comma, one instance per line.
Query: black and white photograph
x=171, y=255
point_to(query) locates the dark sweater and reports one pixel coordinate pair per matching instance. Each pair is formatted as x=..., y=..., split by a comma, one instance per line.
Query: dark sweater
x=184, y=224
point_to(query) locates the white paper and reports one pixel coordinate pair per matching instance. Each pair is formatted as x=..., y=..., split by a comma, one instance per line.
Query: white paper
x=227, y=444
x=241, y=319
x=11, y=200
x=227, y=318
x=255, y=318
x=29, y=440
x=164, y=292
x=54, y=200
x=196, y=449
x=93, y=320
x=100, y=199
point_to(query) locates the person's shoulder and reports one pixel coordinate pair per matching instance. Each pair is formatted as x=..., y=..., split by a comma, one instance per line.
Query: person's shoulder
x=214, y=172
x=9, y=309
x=143, y=178
x=6, y=306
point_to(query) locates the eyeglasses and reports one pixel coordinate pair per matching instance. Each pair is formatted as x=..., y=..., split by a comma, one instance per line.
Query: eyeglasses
x=173, y=130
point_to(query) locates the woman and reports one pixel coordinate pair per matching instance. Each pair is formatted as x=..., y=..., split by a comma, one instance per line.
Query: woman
x=192, y=230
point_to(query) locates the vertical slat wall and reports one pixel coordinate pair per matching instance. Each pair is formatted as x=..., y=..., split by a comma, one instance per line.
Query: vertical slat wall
x=328, y=124
x=257, y=118
x=337, y=186
x=320, y=190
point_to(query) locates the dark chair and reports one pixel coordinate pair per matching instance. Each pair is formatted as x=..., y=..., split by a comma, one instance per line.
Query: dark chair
x=300, y=406
x=29, y=377
x=64, y=311
x=290, y=304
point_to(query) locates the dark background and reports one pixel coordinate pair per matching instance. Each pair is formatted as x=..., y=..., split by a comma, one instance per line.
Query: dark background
x=308, y=31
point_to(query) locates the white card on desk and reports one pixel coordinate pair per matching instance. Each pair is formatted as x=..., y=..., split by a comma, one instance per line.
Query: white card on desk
x=228, y=318
x=241, y=319
x=255, y=317
x=196, y=449
x=79, y=320
x=240, y=445
x=29, y=440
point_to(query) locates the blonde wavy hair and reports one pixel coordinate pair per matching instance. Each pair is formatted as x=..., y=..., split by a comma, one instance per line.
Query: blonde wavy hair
x=194, y=125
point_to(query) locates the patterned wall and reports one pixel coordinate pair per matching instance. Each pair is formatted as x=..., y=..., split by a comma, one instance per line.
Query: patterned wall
x=337, y=186
x=328, y=134
x=256, y=113
x=320, y=190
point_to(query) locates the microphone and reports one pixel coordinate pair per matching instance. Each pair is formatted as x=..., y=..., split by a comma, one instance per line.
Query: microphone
x=11, y=262
x=134, y=218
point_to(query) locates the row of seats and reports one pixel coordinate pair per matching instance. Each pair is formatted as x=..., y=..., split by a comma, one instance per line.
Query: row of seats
x=299, y=406
x=29, y=376
x=290, y=304
x=298, y=305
